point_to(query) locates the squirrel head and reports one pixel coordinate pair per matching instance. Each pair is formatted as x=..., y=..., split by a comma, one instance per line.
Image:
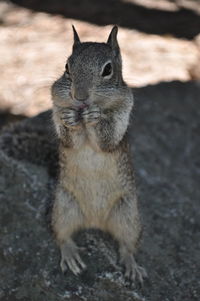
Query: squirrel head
x=93, y=72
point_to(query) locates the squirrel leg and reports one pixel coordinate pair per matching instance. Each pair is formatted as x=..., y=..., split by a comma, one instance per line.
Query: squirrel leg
x=66, y=219
x=124, y=224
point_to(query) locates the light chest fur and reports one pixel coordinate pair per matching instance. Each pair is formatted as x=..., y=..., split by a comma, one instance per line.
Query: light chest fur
x=92, y=177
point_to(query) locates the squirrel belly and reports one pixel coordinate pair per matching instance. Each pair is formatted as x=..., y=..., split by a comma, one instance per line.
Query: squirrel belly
x=93, y=179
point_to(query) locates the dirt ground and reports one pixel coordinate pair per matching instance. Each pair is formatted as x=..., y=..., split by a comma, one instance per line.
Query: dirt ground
x=34, y=45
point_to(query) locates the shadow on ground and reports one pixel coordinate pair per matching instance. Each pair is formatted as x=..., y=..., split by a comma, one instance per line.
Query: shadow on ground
x=183, y=23
x=165, y=142
x=8, y=118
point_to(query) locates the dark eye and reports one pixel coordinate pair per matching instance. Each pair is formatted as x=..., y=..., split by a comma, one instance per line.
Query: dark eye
x=67, y=68
x=107, y=70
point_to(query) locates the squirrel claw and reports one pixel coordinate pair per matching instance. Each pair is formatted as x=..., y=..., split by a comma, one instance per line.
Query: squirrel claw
x=91, y=114
x=71, y=259
x=69, y=117
x=132, y=270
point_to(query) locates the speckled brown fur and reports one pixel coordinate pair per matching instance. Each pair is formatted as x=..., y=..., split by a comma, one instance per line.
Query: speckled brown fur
x=96, y=186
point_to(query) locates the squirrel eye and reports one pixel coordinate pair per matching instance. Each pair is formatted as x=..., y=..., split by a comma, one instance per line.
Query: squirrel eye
x=67, y=68
x=107, y=70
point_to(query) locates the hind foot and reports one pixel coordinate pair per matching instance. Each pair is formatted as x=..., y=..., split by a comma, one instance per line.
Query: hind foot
x=132, y=270
x=70, y=257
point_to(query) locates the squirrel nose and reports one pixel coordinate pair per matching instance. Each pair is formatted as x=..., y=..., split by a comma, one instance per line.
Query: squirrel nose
x=80, y=99
x=79, y=92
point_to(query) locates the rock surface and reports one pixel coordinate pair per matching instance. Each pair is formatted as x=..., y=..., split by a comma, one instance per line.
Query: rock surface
x=165, y=142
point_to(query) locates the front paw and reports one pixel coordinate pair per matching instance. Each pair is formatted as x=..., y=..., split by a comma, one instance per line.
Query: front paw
x=92, y=114
x=70, y=117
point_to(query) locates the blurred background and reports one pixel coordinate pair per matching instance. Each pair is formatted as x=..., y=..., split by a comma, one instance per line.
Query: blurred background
x=159, y=39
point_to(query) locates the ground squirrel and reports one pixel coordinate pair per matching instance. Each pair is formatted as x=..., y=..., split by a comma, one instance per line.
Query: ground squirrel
x=96, y=189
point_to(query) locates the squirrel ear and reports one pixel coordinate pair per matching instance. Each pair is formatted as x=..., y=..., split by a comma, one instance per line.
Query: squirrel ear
x=76, y=37
x=112, y=39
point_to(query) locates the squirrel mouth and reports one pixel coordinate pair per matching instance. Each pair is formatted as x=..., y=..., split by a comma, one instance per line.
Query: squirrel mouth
x=82, y=106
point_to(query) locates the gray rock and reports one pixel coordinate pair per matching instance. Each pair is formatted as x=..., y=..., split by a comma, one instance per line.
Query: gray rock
x=166, y=146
